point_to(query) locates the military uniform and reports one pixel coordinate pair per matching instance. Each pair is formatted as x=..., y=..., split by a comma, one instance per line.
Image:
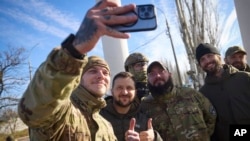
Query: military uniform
x=181, y=115
x=53, y=112
x=140, y=77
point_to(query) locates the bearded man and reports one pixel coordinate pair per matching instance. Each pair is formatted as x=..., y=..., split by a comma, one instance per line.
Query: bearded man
x=227, y=88
x=178, y=113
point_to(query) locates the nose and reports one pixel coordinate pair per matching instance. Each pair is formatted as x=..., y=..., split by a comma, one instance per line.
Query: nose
x=100, y=74
x=124, y=91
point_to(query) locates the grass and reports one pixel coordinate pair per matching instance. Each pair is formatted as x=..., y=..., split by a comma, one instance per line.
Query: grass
x=16, y=135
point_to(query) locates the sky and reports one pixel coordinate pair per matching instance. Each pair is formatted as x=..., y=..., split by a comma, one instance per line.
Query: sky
x=41, y=25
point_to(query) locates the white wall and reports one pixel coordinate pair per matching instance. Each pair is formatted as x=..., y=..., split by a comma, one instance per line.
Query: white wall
x=243, y=15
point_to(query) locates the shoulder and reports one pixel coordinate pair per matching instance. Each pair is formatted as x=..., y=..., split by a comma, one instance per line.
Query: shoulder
x=186, y=91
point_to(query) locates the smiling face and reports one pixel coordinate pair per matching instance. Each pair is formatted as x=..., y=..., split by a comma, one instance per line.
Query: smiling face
x=123, y=91
x=237, y=60
x=211, y=63
x=96, y=80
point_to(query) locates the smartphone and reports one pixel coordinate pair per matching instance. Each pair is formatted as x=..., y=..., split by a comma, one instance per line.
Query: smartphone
x=146, y=19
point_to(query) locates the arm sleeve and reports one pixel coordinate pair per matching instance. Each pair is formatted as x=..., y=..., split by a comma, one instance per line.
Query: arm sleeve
x=47, y=95
x=209, y=112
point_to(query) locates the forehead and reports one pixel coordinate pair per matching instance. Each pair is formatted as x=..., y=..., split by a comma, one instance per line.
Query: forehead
x=124, y=81
x=99, y=68
x=208, y=55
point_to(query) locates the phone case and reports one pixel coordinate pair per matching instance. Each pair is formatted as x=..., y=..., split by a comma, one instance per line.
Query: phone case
x=146, y=19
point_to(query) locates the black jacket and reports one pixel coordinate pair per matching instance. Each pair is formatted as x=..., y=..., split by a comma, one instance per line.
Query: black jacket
x=121, y=122
x=230, y=96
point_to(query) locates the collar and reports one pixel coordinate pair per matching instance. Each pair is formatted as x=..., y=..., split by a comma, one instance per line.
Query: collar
x=84, y=99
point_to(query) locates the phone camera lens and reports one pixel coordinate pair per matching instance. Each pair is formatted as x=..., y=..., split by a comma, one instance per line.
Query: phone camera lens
x=142, y=9
x=149, y=9
x=146, y=14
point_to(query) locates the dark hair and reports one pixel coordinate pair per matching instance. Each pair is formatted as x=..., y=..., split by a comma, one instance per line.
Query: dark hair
x=123, y=75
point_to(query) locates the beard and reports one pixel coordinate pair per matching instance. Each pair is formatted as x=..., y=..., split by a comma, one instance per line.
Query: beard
x=118, y=102
x=239, y=65
x=214, y=70
x=161, y=89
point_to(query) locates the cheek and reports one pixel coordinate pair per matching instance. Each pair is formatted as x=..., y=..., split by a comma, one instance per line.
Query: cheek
x=107, y=80
x=151, y=80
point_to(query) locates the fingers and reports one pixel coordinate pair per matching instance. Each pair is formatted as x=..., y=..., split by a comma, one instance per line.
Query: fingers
x=132, y=124
x=98, y=22
x=105, y=3
x=130, y=134
x=150, y=123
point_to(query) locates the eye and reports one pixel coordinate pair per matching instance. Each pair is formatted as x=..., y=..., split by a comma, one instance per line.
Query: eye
x=119, y=88
x=92, y=71
x=130, y=88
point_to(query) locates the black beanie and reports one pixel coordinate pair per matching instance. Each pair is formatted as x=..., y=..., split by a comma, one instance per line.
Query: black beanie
x=205, y=48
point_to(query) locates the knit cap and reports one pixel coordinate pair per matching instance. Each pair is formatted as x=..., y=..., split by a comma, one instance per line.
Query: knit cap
x=205, y=48
x=95, y=61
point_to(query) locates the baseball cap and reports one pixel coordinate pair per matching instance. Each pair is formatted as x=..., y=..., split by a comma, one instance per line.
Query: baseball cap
x=156, y=63
x=95, y=61
x=234, y=49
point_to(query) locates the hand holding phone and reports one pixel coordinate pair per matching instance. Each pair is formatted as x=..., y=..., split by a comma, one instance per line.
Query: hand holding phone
x=146, y=20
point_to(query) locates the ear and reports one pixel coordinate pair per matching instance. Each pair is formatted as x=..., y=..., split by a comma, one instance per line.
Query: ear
x=169, y=73
x=225, y=60
x=112, y=91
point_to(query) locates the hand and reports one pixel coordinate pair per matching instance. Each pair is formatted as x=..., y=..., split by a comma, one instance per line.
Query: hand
x=149, y=134
x=130, y=134
x=97, y=21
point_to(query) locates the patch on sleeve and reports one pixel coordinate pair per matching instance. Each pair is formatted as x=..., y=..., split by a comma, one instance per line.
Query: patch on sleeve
x=212, y=110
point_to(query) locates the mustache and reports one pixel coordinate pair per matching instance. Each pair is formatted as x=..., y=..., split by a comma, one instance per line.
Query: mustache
x=212, y=62
x=158, y=79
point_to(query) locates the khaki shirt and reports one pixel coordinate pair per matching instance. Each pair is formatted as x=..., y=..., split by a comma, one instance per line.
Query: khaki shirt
x=53, y=112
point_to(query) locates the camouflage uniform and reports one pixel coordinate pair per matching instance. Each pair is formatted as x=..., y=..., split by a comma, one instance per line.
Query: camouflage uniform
x=53, y=112
x=140, y=77
x=181, y=115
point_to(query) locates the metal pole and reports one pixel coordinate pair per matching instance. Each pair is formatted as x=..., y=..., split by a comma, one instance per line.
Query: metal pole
x=30, y=70
x=172, y=45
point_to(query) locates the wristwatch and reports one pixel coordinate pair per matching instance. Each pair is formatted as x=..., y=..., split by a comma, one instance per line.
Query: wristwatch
x=68, y=44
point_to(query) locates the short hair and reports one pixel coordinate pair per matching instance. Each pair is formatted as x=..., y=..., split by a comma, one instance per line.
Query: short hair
x=123, y=75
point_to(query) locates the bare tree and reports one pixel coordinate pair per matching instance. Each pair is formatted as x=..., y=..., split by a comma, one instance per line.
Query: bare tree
x=11, y=118
x=175, y=74
x=198, y=23
x=12, y=75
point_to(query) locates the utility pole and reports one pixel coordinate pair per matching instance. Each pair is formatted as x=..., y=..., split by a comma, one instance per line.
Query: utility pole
x=172, y=45
x=30, y=69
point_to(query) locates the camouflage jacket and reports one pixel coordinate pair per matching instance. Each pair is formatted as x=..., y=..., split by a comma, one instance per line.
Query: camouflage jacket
x=49, y=111
x=181, y=115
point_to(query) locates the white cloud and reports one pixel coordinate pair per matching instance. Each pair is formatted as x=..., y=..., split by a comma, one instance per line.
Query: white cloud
x=34, y=22
x=43, y=15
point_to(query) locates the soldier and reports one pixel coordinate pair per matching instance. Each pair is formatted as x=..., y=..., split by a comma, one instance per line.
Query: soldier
x=136, y=63
x=227, y=88
x=122, y=107
x=63, y=100
x=237, y=57
x=178, y=113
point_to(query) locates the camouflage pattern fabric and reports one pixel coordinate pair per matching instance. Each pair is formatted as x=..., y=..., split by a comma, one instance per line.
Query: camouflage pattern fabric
x=49, y=112
x=182, y=115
